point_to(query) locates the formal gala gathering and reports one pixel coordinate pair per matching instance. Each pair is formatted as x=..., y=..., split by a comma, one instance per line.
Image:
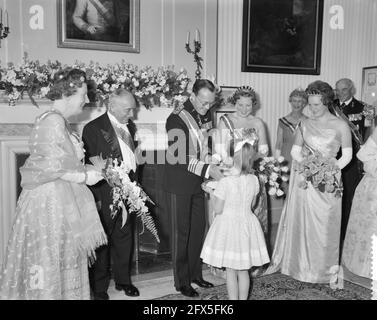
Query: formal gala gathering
x=196, y=150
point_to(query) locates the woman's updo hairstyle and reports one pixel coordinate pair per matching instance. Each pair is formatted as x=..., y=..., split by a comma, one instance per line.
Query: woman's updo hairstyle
x=66, y=83
x=244, y=91
x=322, y=89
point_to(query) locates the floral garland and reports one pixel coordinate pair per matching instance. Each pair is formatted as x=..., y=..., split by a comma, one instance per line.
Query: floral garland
x=161, y=87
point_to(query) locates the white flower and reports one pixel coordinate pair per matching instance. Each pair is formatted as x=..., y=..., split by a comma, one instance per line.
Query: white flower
x=261, y=168
x=280, y=159
x=284, y=178
x=272, y=191
x=285, y=169
x=135, y=82
x=274, y=176
x=44, y=91
x=276, y=169
x=279, y=192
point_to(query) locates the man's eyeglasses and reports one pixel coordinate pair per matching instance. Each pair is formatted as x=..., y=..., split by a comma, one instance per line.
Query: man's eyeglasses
x=205, y=103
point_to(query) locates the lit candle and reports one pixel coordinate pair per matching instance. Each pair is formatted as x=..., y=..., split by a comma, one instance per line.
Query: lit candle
x=188, y=38
x=196, y=35
x=7, y=18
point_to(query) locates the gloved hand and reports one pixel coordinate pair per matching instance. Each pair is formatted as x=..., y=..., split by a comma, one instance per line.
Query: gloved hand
x=93, y=177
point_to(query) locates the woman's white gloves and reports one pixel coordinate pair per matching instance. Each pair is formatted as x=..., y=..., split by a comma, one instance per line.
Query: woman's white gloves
x=90, y=178
x=93, y=177
x=345, y=158
x=263, y=149
x=296, y=153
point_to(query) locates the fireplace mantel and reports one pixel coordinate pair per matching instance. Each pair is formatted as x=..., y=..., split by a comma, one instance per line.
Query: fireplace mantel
x=18, y=120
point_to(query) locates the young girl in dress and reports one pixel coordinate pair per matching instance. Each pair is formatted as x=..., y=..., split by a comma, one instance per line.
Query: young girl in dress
x=235, y=240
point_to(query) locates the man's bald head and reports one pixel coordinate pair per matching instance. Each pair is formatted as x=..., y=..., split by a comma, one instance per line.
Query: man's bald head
x=122, y=105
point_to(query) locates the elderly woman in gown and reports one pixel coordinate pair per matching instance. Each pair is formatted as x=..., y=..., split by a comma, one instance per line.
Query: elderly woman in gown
x=288, y=125
x=307, y=242
x=362, y=225
x=56, y=225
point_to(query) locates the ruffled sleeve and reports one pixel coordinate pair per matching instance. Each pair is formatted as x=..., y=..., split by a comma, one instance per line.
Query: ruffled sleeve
x=52, y=153
x=220, y=191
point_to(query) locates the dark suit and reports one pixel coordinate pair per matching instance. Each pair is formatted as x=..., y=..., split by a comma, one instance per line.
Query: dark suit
x=100, y=138
x=185, y=198
x=353, y=172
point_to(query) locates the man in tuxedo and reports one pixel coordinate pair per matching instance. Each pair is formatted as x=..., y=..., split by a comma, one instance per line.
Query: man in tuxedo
x=186, y=166
x=112, y=136
x=351, y=110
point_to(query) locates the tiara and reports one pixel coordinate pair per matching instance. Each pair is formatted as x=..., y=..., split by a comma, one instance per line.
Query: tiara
x=245, y=89
x=314, y=92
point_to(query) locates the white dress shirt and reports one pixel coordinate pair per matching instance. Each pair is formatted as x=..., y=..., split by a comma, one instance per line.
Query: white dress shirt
x=127, y=154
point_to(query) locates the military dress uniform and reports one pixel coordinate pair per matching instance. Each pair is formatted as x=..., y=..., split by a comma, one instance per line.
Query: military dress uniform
x=353, y=172
x=184, y=172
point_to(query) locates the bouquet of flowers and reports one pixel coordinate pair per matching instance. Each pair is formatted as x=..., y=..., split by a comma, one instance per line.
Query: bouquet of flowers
x=125, y=192
x=322, y=173
x=273, y=172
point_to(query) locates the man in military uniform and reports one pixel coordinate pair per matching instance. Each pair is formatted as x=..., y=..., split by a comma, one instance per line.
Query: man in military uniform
x=187, y=163
x=352, y=111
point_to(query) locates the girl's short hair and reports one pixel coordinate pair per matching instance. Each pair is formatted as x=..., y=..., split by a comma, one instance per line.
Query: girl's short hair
x=245, y=158
x=66, y=82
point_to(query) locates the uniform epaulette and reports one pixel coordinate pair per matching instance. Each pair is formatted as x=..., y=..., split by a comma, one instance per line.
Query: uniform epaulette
x=178, y=109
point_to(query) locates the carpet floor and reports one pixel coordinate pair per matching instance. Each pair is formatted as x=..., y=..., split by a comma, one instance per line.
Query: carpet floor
x=281, y=287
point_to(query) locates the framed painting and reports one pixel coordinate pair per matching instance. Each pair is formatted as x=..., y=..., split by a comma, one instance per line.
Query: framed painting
x=369, y=86
x=282, y=36
x=112, y=25
x=369, y=89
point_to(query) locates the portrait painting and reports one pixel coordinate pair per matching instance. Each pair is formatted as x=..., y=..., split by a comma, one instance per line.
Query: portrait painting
x=112, y=25
x=282, y=36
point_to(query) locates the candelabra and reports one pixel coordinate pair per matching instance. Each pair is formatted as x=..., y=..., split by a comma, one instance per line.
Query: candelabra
x=197, y=46
x=4, y=31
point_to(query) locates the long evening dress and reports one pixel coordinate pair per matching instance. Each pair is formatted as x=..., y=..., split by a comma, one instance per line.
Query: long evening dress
x=288, y=129
x=357, y=249
x=307, y=242
x=56, y=225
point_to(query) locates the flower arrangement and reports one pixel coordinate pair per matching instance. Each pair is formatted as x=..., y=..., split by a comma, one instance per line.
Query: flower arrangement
x=30, y=77
x=125, y=192
x=273, y=172
x=162, y=87
x=322, y=173
x=152, y=87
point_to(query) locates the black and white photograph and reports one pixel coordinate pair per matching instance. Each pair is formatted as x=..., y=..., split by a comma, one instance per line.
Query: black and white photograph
x=183, y=156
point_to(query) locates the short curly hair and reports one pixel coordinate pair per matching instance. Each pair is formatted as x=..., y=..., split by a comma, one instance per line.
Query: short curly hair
x=246, y=92
x=322, y=89
x=298, y=93
x=65, y=83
